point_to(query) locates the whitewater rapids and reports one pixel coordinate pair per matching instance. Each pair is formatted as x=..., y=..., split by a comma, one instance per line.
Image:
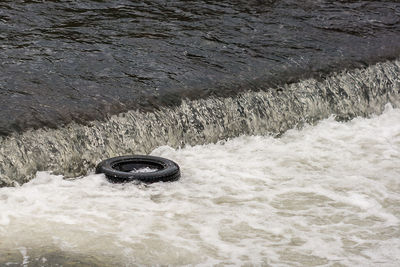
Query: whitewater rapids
x=325, y=195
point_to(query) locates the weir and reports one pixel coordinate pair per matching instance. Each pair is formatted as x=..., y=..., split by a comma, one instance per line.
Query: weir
x=75, y=149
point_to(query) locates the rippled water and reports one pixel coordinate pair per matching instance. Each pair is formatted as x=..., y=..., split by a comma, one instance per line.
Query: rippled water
x=76, y=149
x=325, y=195
x=328, y=194
x=65, y=61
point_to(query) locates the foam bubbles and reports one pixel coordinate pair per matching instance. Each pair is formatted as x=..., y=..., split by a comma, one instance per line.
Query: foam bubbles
x=327, y=194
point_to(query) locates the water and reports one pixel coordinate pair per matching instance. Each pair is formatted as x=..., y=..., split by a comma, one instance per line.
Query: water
x=181, y=72
x=325, y=195
x=64, y=61
x=296, y=182
x=75, y=149
x=146, y=169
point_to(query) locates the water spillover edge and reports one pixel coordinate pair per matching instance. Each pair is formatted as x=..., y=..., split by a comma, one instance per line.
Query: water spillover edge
x=325, y=195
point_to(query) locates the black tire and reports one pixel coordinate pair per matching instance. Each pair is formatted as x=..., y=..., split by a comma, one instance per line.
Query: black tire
x=118, y=169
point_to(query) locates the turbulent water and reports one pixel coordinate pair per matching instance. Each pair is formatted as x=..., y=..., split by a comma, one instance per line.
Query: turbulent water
x=181, y=72
x=65, y=61
x=256, y=100
x=326, y=195
x=76, y=149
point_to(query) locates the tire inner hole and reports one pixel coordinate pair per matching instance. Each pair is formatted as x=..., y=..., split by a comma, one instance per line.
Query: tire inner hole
x=137, y=167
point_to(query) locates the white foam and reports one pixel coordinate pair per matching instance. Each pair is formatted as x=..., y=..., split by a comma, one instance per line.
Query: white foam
x=143, y=170
x=326, y=194
x=25, y=257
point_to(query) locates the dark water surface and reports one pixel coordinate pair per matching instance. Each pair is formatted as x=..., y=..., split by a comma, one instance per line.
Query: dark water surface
x=82, y=60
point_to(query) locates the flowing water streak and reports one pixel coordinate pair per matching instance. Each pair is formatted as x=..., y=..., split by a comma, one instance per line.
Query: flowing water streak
x=64, y=61
x=326, y=195
x=74, y=149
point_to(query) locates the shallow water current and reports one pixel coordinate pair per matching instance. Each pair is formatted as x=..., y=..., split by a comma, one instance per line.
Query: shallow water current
x=325, y=195
x=64, y=61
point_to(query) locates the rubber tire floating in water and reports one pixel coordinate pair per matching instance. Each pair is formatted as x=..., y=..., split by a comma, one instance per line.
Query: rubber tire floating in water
x=122, y=169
